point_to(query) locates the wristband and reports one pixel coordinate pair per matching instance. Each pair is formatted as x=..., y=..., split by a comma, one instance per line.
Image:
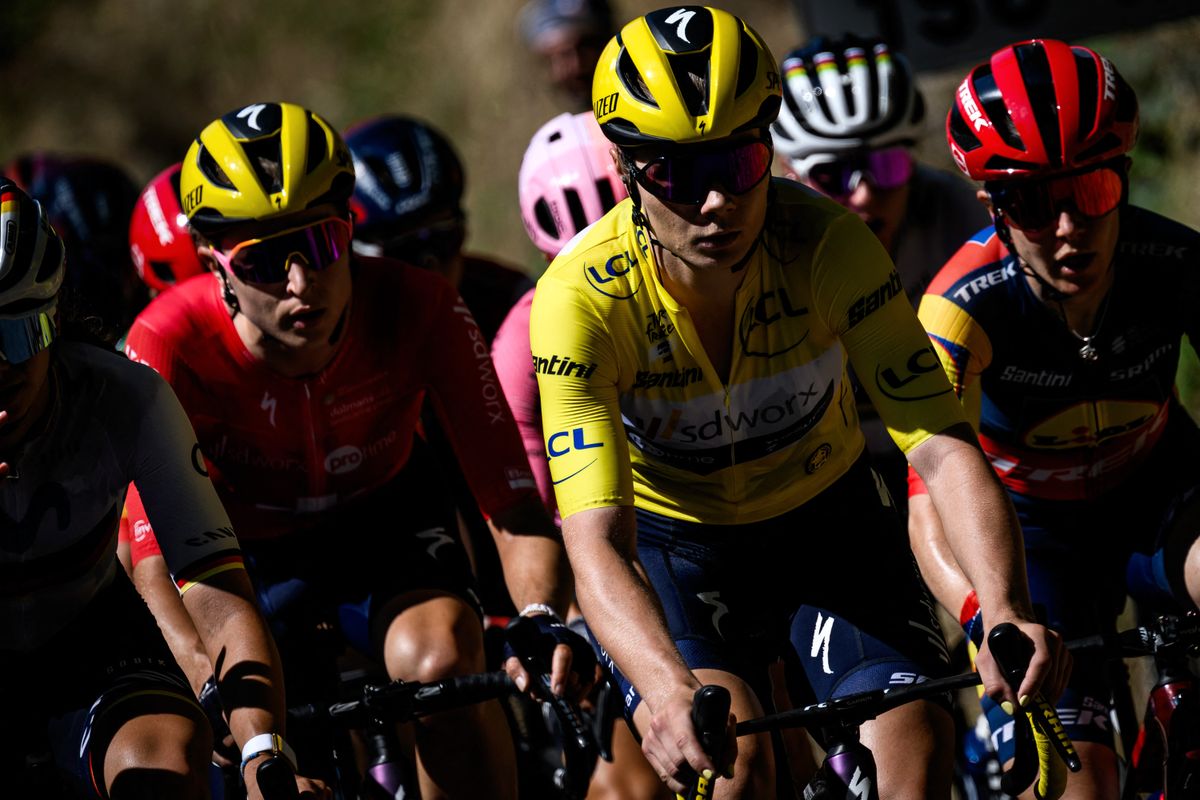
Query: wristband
x=267, y=744
x=540, y=608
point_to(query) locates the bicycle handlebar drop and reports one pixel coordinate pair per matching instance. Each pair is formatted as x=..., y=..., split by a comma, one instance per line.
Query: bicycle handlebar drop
x=710, y=719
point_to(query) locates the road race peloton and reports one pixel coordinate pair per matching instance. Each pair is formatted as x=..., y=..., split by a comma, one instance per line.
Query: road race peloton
x=304, y=368
x=703, y=439
x=1060, y=330
x=84, y=670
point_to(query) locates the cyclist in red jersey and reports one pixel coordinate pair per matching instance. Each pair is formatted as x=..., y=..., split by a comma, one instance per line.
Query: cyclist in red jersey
x=304, y=369
x=1062, y=345
x=83, y=666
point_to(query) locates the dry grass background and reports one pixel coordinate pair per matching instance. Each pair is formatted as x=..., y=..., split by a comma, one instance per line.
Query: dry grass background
x=134, y=80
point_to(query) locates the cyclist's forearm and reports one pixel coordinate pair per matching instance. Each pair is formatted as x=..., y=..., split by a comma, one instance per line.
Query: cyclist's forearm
x=981, y=526
x=535, y=569
x=939, y=567
x=242, y=653
x=153, y=582
x=621, y=608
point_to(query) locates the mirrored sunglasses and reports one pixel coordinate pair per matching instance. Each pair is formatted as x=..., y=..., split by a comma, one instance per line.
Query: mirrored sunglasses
x=1036, y=205
x=21, y=338
x=267, y=260
x=688, y=178
x=889, y=168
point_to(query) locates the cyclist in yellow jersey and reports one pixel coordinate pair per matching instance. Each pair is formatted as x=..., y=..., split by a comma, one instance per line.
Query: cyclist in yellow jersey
x=691, y=350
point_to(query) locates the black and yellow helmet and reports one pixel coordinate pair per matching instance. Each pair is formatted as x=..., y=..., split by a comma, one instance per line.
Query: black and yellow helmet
x=261, y=161
x=684, y=74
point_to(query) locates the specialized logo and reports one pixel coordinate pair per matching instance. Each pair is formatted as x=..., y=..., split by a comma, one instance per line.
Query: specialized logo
x=860, y=784
x=754, y=329
x=437, y=539
x=250, y=114
x=681, y=18
x=720, y=609
x=822, y=632
x=17, y=535
x=344, y=459
x=564, y=366
x=974, y=115
x=605, y=106
x=616, y=267
x=198, y=463
x=907, y=385
x=268, y=404
x=658, y=326
x=670, y=379
x=866, y=305
x=817, y=458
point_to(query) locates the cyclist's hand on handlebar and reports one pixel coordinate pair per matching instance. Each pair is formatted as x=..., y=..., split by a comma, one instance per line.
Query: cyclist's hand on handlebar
x=671, y=746
x=1049, y=667
x=306, y=788
x=543, y=645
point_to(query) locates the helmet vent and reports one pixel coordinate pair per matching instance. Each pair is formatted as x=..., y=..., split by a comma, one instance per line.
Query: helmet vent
x=1089, y=93
x=315, y=155
x=964, y=137
x=52, y=258
x=691, y=75
x=545, y=220
x=212, y=170
x=554, y=137
x=1043, y=100
x=995, y=109
x=747, y=63
x=575, y=205
x=1002, y=164
x=263, y=157
x=607, y=198
x=633, y=80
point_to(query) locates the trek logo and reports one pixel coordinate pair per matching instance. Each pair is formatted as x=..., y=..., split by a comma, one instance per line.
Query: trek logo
x=671, y=379
x=207, y=537
x=556, y=447
x=762, y=312
x=964, y=293
x=900, y=386
x=658, y=326
x=974, y=115
x=1154, y=250
x=1110, y=80
x=192, y=199
x=562, y=365
x=605, y=105
x=869, y=303
x=617, y=266
x=19, y=534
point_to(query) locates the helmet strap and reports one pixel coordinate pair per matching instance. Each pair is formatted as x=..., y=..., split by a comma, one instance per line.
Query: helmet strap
x=227, y=294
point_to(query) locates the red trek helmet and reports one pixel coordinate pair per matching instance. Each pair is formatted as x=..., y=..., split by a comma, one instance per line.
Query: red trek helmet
x=1040, y=108
x=159, y=241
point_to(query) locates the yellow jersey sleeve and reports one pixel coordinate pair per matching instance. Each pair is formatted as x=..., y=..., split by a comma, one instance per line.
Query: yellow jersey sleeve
x=858, y=292
x=577, y=373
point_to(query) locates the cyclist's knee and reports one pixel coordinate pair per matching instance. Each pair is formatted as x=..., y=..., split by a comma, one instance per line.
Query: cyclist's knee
x=158, y=755
x=912, y=747
x=433, y=640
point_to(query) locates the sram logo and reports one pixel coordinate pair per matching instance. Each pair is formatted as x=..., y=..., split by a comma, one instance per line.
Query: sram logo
x=345, y=459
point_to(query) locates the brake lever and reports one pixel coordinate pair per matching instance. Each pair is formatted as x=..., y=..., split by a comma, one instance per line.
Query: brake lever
x=1012, y=653
x=710, y=718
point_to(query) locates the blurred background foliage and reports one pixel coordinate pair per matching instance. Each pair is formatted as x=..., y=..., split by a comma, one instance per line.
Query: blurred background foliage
x=135, y=80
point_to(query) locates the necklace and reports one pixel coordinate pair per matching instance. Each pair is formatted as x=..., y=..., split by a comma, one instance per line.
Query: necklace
x=1088, y=352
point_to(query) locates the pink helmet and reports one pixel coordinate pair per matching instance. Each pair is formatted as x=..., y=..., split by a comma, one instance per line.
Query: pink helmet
x=567, y=180
x=159, y=240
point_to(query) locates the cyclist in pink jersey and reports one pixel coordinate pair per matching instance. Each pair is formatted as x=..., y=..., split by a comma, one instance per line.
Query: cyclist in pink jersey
x=304, y=369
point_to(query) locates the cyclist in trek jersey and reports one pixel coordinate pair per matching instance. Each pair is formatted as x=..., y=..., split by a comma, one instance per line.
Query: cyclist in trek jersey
x=82, y=665
x=691, y=350
x=1060, y=330
x=304, y=369
x=851, y=115
x=567, y=181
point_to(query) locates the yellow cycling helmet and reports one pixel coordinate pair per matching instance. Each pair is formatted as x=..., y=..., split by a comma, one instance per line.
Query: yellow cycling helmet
x=261, y=161
x=684, y=74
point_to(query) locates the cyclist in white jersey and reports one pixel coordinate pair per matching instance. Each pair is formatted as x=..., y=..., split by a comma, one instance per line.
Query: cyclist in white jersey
x=83, y=668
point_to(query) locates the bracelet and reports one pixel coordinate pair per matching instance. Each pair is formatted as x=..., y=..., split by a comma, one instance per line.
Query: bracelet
x=267, y=744
x=539, y=608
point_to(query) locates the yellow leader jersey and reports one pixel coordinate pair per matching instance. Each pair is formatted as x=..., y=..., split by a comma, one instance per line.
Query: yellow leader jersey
x=635, y=414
